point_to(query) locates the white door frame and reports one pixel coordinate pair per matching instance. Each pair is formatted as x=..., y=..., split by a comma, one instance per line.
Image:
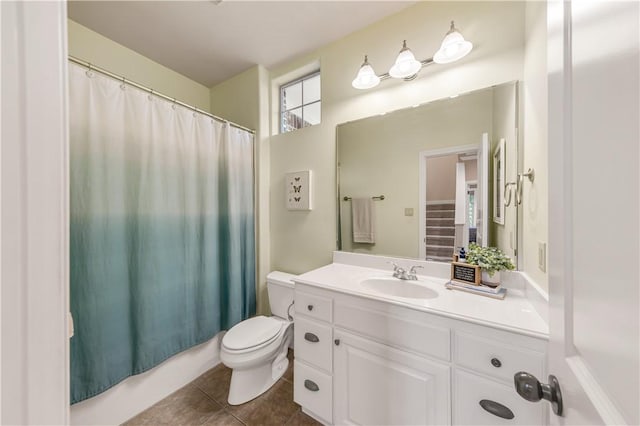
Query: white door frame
x=34, y=201
x=422, y=188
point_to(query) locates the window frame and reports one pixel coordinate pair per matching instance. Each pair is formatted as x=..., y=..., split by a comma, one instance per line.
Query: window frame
x=302, y=104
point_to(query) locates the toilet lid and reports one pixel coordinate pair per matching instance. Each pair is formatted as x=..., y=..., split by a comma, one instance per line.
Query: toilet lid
x=252, y=332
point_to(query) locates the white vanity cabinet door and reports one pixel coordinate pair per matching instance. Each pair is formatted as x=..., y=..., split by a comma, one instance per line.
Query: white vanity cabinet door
x=375, y=384
x=470, y=389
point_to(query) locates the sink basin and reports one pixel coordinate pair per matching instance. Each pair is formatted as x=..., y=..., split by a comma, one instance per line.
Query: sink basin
x=398, y=288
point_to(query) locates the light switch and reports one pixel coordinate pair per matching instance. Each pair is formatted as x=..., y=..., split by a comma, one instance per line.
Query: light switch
x=542, y=256
x=408, y=211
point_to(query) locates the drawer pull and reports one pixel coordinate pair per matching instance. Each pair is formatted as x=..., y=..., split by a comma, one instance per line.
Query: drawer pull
x=496, y=362
x=497, y=409
x=310, y=307
x=337, y=342
x=312, y=386
x=310, y=337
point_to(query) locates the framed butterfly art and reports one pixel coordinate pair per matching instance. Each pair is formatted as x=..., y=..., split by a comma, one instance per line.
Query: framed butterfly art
x=298, y=190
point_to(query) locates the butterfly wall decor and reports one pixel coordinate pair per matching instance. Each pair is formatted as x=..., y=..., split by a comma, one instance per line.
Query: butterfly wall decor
x=298, y=190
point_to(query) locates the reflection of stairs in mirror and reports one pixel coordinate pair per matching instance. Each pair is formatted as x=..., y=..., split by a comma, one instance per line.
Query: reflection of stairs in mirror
x=441, y=230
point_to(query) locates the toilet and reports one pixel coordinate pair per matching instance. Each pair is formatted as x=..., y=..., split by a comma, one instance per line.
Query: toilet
x=256, y=348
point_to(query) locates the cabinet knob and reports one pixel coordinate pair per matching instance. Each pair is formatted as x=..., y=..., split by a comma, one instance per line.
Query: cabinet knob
x=496, y=362
x=311, y=385
x=310, y=307
x=337, y=342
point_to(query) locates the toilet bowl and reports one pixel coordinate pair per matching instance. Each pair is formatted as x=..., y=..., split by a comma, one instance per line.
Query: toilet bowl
x=256, y=349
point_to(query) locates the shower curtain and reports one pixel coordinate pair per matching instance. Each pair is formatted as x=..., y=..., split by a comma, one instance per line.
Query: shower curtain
x=162, y=229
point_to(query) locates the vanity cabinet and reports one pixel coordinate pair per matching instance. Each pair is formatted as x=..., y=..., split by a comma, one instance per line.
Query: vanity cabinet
x=364, y=361
x=377, y=384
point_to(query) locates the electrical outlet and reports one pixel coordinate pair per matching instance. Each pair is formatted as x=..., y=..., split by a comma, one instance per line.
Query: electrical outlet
x=408, y=212
x=542, y=256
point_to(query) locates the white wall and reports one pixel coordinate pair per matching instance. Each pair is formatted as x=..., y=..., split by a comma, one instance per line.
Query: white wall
x=534, y=101
x=98, y=50
x=304, y=240
x=441, y=178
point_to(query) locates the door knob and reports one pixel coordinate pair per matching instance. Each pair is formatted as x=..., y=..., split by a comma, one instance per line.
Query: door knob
x=532, y=390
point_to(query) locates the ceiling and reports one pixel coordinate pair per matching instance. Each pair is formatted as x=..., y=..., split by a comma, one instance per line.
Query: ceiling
x=209, y=41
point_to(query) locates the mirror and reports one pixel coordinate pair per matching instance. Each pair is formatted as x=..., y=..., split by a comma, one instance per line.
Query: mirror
x=422, y=182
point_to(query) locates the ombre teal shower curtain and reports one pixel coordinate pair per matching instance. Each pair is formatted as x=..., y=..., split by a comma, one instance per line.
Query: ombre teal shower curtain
x=162, y=230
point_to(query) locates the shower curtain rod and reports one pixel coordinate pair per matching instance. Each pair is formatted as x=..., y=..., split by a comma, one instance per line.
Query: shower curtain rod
x=91, y=67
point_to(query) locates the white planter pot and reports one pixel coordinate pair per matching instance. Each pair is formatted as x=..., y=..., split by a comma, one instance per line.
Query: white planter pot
x=491, y=281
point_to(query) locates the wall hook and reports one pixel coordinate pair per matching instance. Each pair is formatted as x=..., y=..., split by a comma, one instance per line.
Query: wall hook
x=531, y=175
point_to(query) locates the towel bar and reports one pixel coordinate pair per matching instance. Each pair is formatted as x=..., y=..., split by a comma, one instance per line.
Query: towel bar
x=377, y=197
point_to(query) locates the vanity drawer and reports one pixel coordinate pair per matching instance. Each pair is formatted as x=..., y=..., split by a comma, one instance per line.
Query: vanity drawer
x=313, y=343
x=495, y=358
x=313, y=391
x=314, y=306
x=470, y=390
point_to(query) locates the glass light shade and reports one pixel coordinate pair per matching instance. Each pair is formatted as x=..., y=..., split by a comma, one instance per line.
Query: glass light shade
x=406, y=64
x=453, y=47
x=366, y=78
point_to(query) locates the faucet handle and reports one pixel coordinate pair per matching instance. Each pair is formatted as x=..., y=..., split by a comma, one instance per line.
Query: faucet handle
x=414, y=267
x=395, y=265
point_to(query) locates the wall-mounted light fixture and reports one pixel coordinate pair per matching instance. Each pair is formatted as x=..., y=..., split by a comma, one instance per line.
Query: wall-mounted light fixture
x=406, y=67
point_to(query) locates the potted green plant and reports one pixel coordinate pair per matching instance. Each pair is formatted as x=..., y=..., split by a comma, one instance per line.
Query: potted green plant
x=492, y=260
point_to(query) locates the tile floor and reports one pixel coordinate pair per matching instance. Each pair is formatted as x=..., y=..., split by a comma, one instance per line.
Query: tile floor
x=204, y=402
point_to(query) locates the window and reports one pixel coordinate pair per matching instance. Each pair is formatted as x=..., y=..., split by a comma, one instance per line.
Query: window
x=300, y=103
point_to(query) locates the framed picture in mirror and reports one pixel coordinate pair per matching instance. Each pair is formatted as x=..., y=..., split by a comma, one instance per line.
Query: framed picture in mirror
x=498, y=183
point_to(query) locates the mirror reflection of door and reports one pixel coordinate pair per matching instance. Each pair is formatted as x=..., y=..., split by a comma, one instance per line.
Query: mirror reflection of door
x=451, y=207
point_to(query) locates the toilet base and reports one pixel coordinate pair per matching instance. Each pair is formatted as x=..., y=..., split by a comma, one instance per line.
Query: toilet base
x=247, y=384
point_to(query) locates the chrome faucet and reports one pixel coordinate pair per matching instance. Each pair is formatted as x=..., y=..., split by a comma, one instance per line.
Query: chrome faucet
x=402, y=274
x=412, y=272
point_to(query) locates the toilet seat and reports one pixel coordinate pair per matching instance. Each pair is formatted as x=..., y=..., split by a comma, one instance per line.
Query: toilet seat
x=252, y=334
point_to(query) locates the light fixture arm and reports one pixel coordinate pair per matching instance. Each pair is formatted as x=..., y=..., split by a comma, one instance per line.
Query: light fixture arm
x=424, y=63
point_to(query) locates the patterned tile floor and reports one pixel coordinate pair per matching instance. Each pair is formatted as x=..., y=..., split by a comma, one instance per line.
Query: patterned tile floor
x=204, y=402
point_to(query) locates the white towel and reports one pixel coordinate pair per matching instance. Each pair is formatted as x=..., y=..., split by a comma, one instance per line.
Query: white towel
x=362, y=220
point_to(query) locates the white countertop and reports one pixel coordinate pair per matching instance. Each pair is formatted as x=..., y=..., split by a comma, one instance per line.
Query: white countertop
x=515, y=313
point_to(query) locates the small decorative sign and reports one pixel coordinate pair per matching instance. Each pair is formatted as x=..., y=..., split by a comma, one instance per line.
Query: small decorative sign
x=298, y=190
x=466, y=273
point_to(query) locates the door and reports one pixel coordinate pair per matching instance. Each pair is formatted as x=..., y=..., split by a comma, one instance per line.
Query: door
x=593, y=88
x=482, y=217
x=375, y=384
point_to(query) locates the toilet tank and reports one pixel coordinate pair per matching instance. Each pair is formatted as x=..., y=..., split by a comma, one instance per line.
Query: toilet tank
x=280, y=289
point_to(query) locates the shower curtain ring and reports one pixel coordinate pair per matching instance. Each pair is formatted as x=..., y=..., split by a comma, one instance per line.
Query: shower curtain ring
x=151, y=95
x=174, y=103
x=123, y=85
x=89, y=71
